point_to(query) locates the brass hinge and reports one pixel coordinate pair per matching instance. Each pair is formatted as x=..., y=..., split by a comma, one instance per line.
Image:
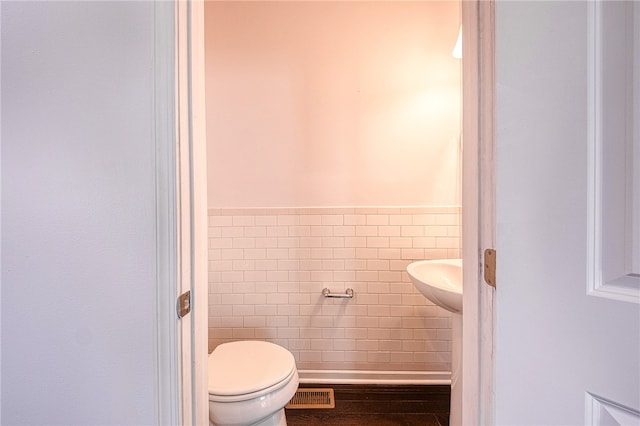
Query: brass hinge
x=490, y=267
x=183, y=306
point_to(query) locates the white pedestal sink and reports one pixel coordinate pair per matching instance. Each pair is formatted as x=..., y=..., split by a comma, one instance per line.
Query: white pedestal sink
x=440, y=281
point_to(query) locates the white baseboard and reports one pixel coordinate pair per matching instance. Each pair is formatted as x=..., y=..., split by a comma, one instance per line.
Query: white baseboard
x=353, y=377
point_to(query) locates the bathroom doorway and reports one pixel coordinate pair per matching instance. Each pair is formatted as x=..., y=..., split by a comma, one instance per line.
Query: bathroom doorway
x=195, y=51
x=334, y=162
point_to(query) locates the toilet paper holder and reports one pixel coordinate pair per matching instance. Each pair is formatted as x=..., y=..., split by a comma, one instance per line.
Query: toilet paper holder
x=347, y=295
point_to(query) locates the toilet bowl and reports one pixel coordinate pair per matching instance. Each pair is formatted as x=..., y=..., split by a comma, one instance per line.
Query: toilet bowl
x=250, y=382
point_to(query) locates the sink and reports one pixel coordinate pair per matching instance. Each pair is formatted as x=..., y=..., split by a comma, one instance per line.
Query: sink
x=439, y=281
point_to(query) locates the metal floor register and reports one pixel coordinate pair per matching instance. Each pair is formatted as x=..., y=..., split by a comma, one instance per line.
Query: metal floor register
x=312, y=398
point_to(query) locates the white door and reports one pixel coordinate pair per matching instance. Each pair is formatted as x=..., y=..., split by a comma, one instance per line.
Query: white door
x=567, y=311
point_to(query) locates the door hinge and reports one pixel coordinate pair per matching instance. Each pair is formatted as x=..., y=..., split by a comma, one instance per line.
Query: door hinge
x=183, y=306
x=490, y=267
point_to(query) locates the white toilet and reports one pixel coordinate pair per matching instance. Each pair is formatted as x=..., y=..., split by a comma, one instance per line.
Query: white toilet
x=250, y=382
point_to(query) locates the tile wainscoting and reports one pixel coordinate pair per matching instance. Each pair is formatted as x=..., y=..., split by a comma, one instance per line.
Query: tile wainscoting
x=267, y=269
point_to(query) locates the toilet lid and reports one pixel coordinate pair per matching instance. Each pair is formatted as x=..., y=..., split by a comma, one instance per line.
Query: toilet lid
x=238, y=368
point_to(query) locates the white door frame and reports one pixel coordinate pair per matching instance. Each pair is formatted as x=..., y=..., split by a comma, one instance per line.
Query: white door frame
x=181, y=213
x=478, y=212
x=167, y=361
x=200, y=220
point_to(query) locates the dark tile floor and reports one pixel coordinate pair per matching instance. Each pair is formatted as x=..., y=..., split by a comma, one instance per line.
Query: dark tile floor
x=378, y=405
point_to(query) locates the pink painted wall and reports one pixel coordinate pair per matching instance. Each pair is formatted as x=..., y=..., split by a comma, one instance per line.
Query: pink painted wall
x=332, y=104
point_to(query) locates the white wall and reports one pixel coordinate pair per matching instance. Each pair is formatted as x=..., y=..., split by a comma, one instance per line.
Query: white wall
x=267, y=269
x=332, y=104
x=78, y=232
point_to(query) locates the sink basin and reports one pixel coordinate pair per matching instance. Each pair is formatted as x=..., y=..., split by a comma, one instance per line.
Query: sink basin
x=439, y=281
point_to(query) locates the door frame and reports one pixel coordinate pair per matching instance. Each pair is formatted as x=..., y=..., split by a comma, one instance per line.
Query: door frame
x=181, y=213
x=478, y=215
x=199, y=211
x=167, y=360
x=478, y=212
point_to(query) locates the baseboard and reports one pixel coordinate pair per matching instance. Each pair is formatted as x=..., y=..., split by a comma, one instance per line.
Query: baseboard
x=375, y=377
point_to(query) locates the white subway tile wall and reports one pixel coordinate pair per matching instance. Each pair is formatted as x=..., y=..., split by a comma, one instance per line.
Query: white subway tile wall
x=267, y=269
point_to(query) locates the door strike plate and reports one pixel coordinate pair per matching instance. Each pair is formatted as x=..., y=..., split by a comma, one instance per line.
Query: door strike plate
x=184, y=304
x=490, y=267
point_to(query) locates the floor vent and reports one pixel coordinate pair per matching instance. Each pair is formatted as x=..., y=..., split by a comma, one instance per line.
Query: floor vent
x=312, y=398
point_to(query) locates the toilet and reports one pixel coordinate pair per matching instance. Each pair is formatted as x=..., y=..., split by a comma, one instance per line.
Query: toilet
x=250, y=382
